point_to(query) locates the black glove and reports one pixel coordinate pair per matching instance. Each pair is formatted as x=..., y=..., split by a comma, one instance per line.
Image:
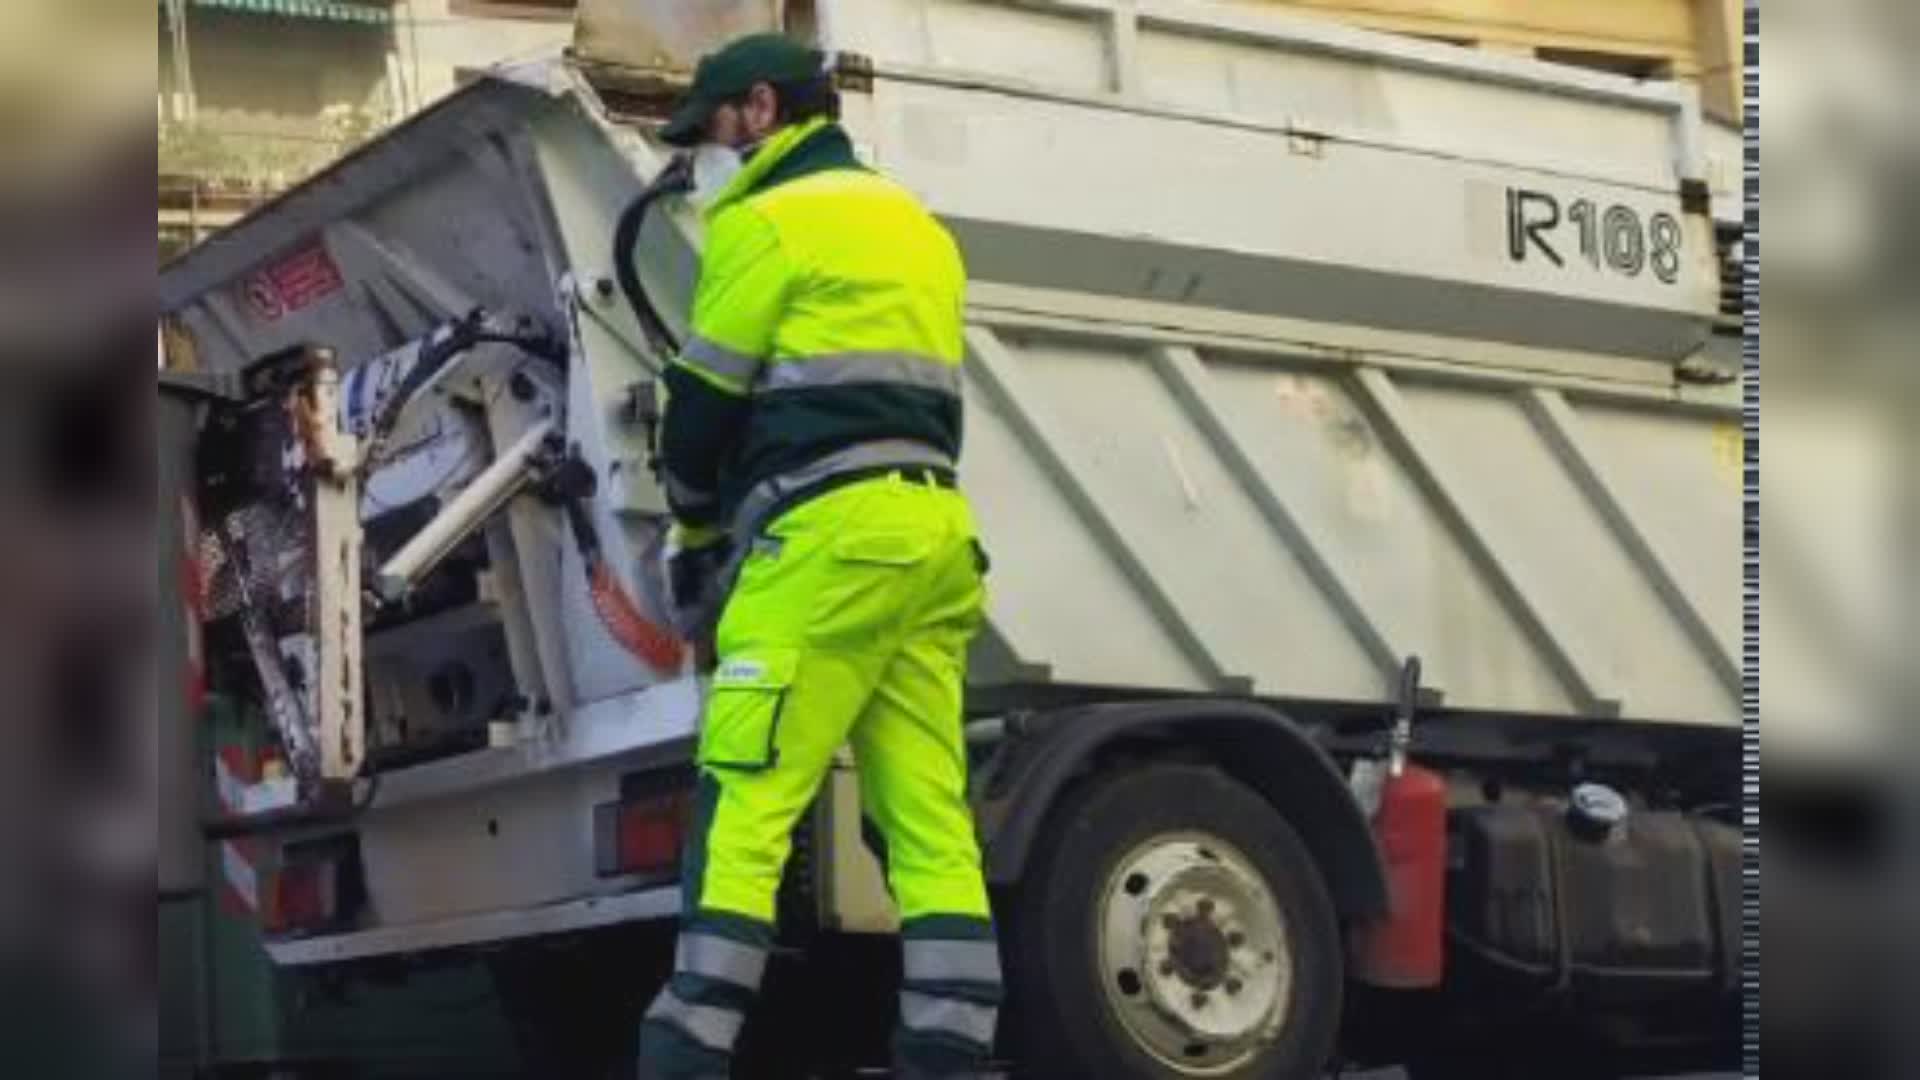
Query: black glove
x=692, y=572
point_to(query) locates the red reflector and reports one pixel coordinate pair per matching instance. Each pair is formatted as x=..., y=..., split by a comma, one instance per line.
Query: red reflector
x=303, y=897
x=650, y=832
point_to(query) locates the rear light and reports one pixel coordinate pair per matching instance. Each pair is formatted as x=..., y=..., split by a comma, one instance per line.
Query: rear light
x=302, y=898
x=641, y=834
x=317, y=888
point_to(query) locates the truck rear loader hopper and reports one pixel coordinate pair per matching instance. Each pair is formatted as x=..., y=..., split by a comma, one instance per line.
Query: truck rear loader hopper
x=1293, y=352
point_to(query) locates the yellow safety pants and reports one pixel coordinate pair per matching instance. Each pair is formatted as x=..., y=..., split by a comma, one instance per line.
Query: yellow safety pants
x=849, y=623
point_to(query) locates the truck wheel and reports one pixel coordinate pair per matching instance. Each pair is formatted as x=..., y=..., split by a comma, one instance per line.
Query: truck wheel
x=1172, y=924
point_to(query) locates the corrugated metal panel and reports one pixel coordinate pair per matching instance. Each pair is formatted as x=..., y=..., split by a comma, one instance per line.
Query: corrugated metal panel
x=1198, y=518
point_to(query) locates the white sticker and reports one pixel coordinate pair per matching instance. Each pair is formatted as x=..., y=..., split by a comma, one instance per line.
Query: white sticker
x=741, y=671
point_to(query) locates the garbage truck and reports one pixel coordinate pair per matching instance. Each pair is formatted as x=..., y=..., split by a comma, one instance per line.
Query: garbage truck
x=1353, y=425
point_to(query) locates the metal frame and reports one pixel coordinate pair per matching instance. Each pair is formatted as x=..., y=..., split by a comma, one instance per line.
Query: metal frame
x=656, y=720
x=339, y=642
x=583, y=914
x=530, y=530
x=1319, y=35
x=508, y=592
x=511, y=470
x=1122, y=22
x=1483, y=364
x=1356, y=137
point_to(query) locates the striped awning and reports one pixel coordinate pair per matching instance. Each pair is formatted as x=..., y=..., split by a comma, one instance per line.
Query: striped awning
x=323, y=10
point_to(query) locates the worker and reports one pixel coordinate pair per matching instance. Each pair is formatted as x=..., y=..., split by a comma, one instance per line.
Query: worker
x=812, y=425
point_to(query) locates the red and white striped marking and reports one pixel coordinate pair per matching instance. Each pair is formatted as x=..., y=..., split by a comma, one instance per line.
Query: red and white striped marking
x=237, y=771
x=245, y=862
x=234, y=770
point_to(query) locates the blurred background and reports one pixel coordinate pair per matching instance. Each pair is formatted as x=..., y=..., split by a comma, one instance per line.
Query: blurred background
x=252, y=95
x=1837, y=533
x=76, y=575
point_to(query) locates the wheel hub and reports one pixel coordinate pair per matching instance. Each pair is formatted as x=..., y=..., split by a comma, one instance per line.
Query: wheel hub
x=1199, y=950
x=1194, y=953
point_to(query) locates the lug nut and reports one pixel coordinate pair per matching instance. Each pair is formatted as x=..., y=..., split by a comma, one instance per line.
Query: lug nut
x=1233, y=986
x=1206, y=906
x=1199, y=1001
x=1166, y=967
x=1236, y=939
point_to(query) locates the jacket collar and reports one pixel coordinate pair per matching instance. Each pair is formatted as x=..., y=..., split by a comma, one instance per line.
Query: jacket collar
x=800, y=150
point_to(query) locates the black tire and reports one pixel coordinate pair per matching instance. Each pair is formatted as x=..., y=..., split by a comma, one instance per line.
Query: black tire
x=1062, y=1023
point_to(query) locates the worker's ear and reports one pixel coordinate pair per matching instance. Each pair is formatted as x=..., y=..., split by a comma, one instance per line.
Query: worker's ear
x=760, y=112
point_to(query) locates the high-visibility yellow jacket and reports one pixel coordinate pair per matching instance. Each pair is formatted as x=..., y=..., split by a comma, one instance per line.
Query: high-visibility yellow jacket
x=826, y=330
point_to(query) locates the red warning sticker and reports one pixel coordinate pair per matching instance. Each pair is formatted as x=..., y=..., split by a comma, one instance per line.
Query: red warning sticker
x=295, y=282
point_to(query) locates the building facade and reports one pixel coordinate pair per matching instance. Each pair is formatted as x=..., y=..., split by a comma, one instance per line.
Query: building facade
x=1698, y=41
x=256, y=95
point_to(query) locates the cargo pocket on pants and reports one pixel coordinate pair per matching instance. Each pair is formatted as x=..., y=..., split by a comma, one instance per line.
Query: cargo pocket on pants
x=883, y=548
x=859, y=600
x=742, y=726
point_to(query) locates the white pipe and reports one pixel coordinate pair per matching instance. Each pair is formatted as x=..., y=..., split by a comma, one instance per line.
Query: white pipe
x=476, y=502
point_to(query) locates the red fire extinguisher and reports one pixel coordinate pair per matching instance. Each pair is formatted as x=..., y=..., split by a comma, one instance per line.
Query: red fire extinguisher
x=1406, y=951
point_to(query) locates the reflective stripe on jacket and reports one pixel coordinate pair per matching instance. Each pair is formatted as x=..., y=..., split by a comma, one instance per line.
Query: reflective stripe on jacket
x=828, y=314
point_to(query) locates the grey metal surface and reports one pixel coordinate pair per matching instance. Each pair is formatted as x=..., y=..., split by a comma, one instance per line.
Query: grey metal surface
x=181, y=780
x=511, y=827
x=602, y=730
x=505, y=925
x=1315, y=515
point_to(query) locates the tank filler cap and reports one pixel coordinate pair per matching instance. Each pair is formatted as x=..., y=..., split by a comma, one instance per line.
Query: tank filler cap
x=1596, y=810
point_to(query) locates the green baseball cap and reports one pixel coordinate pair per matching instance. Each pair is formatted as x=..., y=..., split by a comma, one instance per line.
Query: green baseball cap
x=727, y=74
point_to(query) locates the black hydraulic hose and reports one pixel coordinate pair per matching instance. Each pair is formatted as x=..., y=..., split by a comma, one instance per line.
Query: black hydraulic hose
x=677, y=177
x=448, y=342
